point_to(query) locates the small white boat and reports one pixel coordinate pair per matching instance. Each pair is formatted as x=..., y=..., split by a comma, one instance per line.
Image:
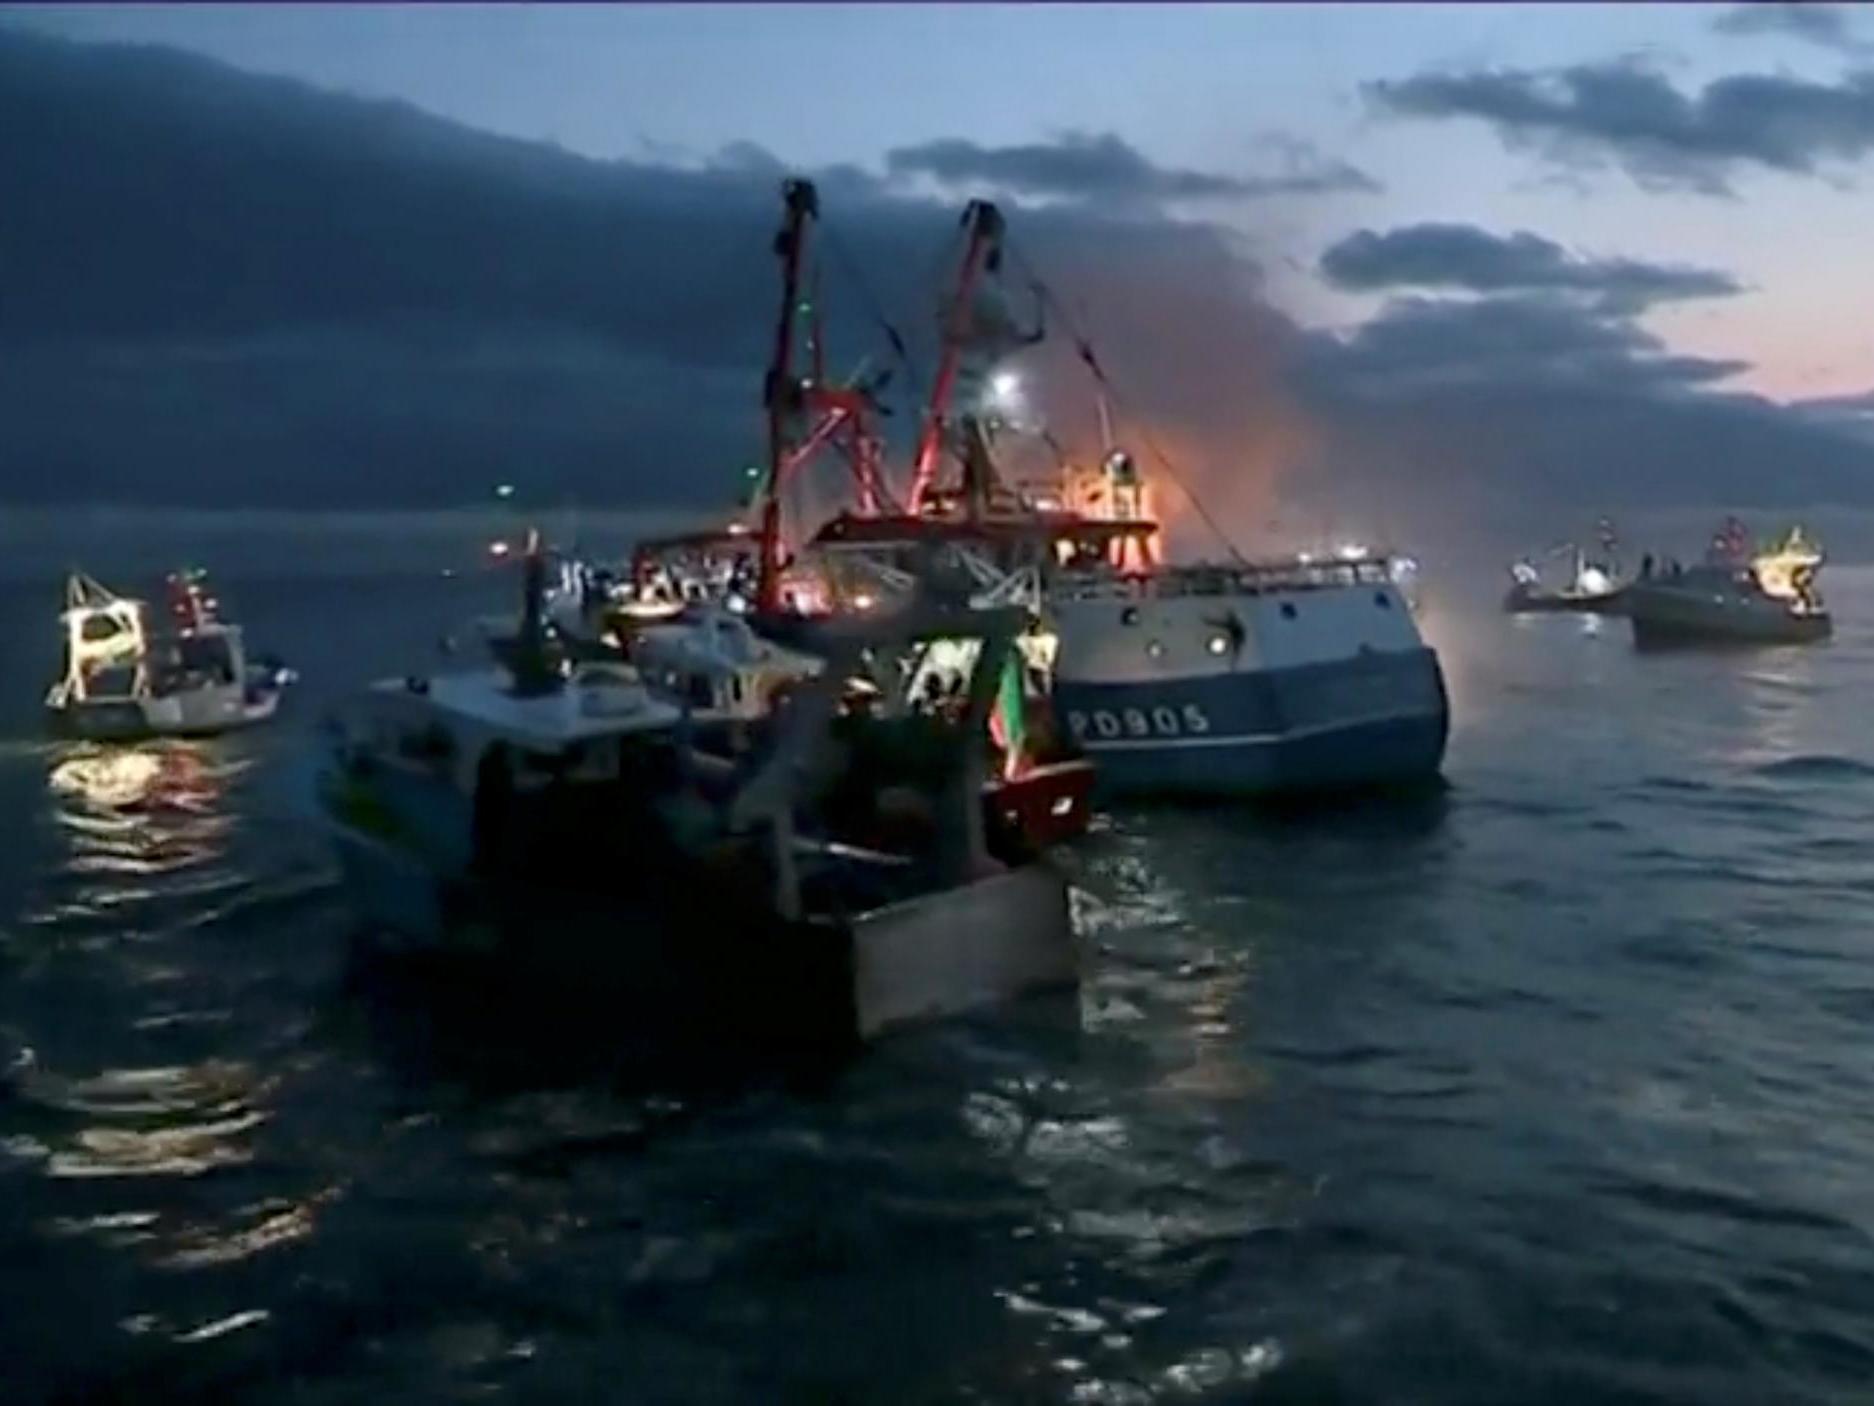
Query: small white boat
x=1736, y=595
x=123, y=680
x=1593, y=588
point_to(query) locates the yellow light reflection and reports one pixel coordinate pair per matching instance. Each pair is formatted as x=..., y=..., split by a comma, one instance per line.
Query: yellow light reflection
x=142, y=810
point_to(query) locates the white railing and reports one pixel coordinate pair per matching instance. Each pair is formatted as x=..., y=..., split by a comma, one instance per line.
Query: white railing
x=1252, y=578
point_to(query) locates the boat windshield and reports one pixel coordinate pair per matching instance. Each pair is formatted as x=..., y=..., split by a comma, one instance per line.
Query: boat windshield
x=111, y=681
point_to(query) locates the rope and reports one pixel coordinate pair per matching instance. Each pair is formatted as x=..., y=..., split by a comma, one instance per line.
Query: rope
x=1085, y=350
x=849, y=269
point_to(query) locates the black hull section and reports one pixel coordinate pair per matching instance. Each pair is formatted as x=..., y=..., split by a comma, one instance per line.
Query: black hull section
x=656, y=973
x=1656, y=634
x=1519, y=602
x=683, y=947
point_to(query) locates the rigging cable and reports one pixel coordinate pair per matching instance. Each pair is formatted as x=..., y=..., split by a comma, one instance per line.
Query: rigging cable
x=1084, y=348
x=850, y=269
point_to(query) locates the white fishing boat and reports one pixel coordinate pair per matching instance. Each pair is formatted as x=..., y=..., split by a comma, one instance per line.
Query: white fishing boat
x=1592, y=587
x=123, y=679
x=1764, y=596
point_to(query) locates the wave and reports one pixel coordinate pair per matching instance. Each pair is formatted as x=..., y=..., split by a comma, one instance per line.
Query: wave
x=1816, y=766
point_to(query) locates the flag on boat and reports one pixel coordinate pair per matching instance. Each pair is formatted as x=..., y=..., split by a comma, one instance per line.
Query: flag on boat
x=1007, y=723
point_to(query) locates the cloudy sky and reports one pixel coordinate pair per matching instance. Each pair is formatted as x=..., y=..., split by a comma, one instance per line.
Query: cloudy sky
x=1515, y=215
x=1614, y=129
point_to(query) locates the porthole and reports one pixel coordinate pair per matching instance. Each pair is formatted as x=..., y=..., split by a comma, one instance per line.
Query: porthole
x=1379, y=599
x=1155, y=649
x=1288, y=610
x=1129, y=616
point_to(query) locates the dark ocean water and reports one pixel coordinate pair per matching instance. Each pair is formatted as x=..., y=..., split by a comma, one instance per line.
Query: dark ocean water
x=1558, y=1087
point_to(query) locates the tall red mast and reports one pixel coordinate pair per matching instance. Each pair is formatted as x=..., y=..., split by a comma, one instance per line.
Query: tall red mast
x=841, y=414
x=984, y=222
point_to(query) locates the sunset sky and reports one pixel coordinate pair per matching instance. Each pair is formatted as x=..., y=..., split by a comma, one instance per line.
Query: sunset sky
x=1235, y=91
x=1469, y=262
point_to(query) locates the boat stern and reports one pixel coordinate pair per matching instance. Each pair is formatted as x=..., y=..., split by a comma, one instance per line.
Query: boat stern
x=962, y=950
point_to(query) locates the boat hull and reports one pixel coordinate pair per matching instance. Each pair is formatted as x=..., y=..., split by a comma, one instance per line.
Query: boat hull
x=1665, y=629
x=131, y=720
x=1044, y=806
x=1524, y=602
x=663, y=968
x=1376, y=719
x=1693, y=614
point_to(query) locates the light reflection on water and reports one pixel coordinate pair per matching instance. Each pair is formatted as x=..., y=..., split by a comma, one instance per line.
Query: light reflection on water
x=136, y=1123
x=149, y=841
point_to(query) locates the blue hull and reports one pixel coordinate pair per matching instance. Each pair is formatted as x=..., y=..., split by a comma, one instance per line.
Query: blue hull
x=1373, y=720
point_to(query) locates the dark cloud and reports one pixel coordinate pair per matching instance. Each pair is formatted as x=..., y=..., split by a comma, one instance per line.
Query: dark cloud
x=1510, y=409
x=393, y=412
x=249, y=292
x=1529, y=341
x=241, y=292
x=1845, y=414
x=1081, y=166
x=1808, y=20
x=1466, y=257
x=1633, y=117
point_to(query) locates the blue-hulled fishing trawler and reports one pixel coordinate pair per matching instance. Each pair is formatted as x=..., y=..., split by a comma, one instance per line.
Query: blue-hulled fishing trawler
x=1242, y=678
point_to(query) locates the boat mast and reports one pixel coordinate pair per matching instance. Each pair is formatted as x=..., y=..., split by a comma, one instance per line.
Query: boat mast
x=984, y=222
x=534, y=670
x=842, y=414
x=781, y=394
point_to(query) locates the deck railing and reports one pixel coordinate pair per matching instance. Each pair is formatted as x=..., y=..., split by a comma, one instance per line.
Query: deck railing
x=1251, y=578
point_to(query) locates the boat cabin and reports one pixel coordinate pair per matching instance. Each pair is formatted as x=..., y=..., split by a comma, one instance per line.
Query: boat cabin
x=712, y=662
x=106, y=647
x=466, y=766
x=1788, y=572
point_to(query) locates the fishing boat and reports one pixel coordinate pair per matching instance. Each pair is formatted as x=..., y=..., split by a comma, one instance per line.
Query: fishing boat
x=123, y=680
x=578, y=604
x=1252, y=678
x=1592, y=588
x=713, y=662
x=669, y=573
x=1234, y=679
x=558, y=819
x=1736, y=595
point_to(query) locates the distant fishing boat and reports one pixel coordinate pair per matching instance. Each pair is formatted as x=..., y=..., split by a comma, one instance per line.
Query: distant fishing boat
x=1593, y=587
x=1767, y=596
x=123, y=680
